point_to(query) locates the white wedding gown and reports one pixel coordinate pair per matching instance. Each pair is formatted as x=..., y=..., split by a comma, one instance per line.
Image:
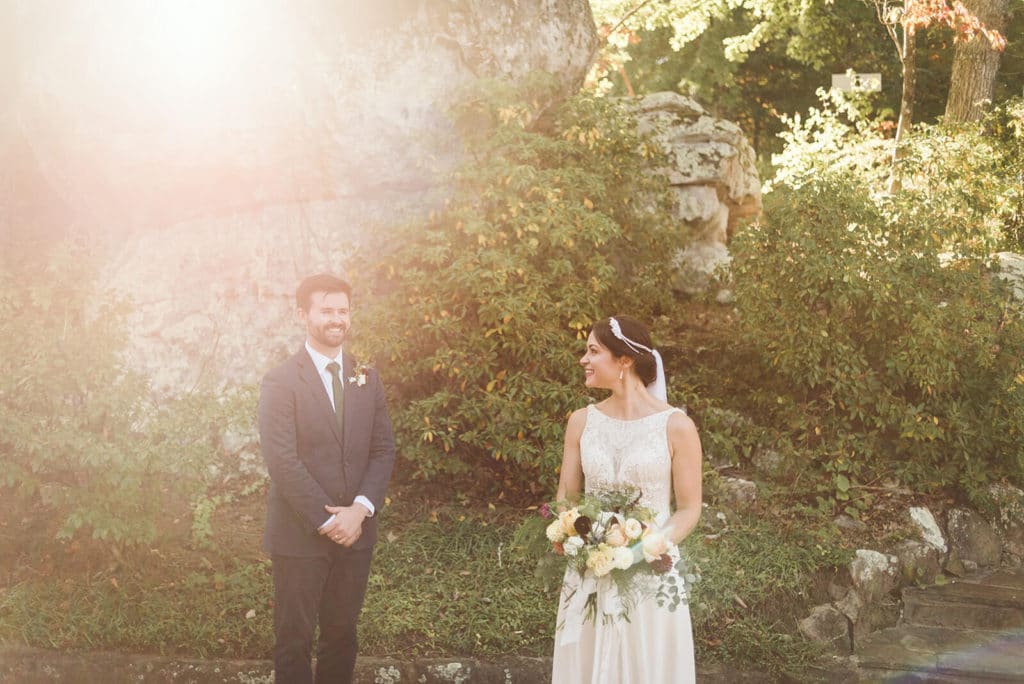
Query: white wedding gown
x=655, y=646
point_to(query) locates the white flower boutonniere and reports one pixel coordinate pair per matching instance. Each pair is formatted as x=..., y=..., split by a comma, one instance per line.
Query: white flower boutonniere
x=359, y=374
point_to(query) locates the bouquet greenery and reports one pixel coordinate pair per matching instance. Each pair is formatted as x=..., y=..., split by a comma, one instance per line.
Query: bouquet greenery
x=609, y=542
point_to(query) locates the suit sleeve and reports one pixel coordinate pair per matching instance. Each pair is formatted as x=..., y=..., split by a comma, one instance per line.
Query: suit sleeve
x=278, y=444
x=382, y=450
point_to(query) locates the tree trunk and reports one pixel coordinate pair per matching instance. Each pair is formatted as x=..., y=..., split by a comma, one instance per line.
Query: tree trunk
x=975, y=64
x=908, y=57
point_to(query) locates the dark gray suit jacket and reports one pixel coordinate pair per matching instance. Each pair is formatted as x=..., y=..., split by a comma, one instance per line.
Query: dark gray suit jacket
x=308, y=464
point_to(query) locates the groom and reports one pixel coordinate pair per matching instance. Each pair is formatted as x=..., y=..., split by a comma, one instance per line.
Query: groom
x=326, y=439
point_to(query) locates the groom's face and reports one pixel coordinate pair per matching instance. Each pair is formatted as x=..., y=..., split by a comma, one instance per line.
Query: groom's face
x=327, y=319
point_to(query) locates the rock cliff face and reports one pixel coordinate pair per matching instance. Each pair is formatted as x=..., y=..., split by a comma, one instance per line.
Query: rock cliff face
x=210, y=217
x=209, y=212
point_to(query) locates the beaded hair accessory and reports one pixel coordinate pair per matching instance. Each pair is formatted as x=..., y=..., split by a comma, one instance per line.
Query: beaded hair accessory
x=658, y=388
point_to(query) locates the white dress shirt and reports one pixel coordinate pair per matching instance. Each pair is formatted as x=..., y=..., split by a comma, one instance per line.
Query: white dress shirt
x=321, y=361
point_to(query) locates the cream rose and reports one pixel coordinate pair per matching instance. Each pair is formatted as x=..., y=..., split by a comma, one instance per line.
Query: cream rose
x=555, y=532
x=568, y=520
x=600, y=561
x=633, y=528
x=616, y=536
x=655, y=545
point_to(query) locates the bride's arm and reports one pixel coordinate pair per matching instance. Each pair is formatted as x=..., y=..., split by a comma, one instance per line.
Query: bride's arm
x=570, y=478
x=686, y=476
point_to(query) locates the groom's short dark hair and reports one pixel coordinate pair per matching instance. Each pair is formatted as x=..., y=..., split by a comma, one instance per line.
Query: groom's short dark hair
x=321, y=282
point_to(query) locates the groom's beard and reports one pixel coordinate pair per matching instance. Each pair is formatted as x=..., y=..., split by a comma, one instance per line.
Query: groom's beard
x=329, y=335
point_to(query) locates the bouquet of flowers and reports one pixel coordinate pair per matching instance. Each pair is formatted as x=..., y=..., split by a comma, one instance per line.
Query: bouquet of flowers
x=610, y=540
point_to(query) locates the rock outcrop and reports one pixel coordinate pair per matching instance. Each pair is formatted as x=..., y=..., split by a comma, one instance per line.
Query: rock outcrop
x=713, y=174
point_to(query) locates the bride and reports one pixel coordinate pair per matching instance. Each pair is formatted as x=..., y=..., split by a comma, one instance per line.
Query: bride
x=634, y=440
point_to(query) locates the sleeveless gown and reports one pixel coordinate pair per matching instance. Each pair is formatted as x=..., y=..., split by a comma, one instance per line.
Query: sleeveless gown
x=655, y=646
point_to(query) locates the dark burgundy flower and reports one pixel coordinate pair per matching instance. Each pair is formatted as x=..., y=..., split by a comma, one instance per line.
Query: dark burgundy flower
x=583, y=525
x=662, y=565
x=545, y=510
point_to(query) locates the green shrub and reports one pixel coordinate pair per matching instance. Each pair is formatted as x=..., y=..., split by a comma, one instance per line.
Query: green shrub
x=887, y=354
x=83, y=445
x=478, y=316
x=972, y=176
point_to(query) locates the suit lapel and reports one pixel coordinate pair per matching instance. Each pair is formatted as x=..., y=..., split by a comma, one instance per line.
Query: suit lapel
x=309, y=375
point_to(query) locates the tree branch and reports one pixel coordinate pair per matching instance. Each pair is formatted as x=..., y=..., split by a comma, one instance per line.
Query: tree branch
x=628, y=15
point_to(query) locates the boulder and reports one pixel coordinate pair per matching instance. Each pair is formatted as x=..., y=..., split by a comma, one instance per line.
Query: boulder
x=874, y=616
x=713, y=175
x=1011, y=270
x=699, y=265
x=828, y=626
x=1010, y=503
x=919, y=562
x=768, y=462
x=873, y=574
x=738, y=493
x=848, y=524
x=972, y=539
x=928, y=530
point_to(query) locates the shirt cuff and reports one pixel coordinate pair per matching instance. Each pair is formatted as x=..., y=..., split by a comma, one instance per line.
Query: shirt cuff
x=326, y=522
x=366, y=502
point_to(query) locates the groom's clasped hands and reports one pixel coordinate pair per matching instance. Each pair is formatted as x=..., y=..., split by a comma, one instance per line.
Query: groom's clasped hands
x=346, y=526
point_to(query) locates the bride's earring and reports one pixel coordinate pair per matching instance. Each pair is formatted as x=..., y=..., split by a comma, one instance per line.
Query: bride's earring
x=621, y=371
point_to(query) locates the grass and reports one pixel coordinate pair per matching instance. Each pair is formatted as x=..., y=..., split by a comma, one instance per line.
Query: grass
x=446, y=581
x=759, y=576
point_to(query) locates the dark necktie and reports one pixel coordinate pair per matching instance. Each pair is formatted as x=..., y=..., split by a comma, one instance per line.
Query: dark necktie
x=339, y=395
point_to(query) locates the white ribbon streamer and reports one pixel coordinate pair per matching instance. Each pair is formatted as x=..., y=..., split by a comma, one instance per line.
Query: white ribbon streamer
x=609, y=605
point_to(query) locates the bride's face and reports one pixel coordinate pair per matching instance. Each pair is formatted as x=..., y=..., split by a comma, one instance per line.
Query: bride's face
x=600, y=368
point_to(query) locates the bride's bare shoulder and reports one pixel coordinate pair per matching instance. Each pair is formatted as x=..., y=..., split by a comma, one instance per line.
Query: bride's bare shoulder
x=679, y=422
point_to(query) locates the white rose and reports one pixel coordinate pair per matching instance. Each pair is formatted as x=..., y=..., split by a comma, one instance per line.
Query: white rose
x=655, y=545
x=554, y=532
x=616, y=536
x=622, y=557
x=568, y=520
x=633, y=528
x=572, y=546
x=600, y=561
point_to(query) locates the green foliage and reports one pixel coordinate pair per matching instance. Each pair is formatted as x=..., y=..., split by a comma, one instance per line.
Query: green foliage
x=84, y=444
x=757, y=580
x=749, y=61
x=972, y=176
x=484, y=307
x=887, y=341
x=752, y=60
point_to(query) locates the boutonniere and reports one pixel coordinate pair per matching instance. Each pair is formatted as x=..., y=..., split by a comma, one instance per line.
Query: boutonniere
x=359, y=374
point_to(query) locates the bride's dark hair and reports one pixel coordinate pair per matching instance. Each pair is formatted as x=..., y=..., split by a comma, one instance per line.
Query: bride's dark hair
x=644, y=364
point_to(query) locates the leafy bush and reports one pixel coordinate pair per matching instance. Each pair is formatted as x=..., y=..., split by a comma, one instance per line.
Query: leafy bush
x=973, y=176
x=969, y=177
x=549, y=227
x=83, y=444
x=887, y=354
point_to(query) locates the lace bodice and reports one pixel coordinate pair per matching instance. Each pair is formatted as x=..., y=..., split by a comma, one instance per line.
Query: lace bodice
x=629, y=453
